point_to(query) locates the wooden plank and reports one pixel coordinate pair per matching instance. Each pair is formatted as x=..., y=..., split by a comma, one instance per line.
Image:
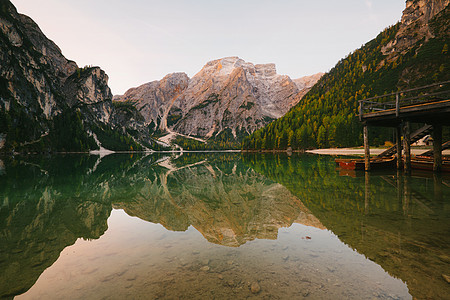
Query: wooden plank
x=428, y=113
x=411, y=108
x=406, y=91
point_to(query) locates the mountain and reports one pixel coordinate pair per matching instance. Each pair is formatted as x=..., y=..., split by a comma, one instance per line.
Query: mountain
x=410, y=54
x=48, y=103
x=227, y=98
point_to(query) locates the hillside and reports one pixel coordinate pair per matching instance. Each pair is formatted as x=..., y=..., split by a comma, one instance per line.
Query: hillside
x=48, y=103
x=412, y=53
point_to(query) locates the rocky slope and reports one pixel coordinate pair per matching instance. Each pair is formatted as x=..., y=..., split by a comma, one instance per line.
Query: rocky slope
x=307, y=82
x=414, y=25
x=227, y=95
x=155, y=99
x=41, y=90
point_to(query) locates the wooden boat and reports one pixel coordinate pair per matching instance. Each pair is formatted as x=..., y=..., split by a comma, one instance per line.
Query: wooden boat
x=359, y=164
x=426, y=163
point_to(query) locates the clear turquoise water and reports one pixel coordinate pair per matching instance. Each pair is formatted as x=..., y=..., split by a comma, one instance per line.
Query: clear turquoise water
x=219, y=226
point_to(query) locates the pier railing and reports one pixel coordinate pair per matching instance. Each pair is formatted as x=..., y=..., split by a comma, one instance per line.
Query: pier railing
x=396, y=100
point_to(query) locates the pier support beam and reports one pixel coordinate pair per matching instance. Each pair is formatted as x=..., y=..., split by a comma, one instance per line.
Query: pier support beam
x=366, y=148
x=437, y=148
x=407, y=146
x=399, y=147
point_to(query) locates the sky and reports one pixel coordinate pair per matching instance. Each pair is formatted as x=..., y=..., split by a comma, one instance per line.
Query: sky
x=138, y=41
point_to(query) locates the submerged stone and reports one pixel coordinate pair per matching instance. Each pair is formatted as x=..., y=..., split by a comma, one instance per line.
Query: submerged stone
x=255, y=287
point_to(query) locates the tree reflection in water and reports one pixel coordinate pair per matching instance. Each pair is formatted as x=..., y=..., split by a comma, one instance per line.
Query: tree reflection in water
x=400, y=222
x=397, y=221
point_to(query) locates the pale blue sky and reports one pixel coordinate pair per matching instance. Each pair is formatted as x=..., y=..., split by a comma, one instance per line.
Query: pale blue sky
x=137, y=41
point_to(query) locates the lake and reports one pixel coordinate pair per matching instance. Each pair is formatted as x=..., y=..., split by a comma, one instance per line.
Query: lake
x=219, y=226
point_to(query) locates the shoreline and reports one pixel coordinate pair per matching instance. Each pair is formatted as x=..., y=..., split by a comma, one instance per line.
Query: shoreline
x=326, y=151
x=360, y=152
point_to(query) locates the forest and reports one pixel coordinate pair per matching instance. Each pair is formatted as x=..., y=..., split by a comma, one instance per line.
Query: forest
x=327, y=116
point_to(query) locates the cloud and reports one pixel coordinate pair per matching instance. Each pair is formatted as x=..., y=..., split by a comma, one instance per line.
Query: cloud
x=369, y=4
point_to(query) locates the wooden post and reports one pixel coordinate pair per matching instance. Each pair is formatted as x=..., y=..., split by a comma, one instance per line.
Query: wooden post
x=399, y=146
x=407, y=146
x=397, y=105
x=437, y=148
x=366, y=148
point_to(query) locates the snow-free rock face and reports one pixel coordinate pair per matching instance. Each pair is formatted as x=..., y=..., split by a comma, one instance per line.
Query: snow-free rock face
x=414, y=25
x=307, y=82
x=32, y=66
x=88, y=87
x=227, y=94
x=231, y=93
x=38, y=86
x=155, y=99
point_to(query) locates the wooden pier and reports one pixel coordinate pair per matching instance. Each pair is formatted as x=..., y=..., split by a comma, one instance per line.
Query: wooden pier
x=429, y=105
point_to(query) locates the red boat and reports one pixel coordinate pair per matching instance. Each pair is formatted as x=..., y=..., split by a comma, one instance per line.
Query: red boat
x=359, y=164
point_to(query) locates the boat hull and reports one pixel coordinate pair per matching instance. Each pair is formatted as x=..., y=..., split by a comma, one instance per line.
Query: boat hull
x=427, y=164
x=359, y=164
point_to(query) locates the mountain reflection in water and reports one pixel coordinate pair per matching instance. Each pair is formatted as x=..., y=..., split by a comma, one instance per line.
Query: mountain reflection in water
x=46, y=204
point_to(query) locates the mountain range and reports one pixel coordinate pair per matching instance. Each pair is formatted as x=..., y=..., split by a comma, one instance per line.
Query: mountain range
x=227, y=97
x=48, y=103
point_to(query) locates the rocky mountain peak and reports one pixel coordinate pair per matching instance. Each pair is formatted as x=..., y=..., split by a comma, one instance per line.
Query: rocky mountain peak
x=225, y=66
x=226, y=95
x=266, y=70
x=174, y=80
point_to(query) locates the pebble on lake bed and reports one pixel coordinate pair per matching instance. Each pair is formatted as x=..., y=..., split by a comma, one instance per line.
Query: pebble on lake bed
x=446, y=278
x=255, y=287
